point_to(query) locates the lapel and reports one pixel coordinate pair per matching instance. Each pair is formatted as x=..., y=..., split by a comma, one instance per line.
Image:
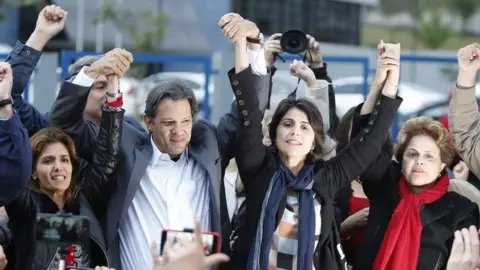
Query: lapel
x=203, y=157
x=436, y=210
x=143, y=154
x=204, y=149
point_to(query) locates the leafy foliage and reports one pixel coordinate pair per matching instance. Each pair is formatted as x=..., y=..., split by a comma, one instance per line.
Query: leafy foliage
x=432, y=31
x=146, y=37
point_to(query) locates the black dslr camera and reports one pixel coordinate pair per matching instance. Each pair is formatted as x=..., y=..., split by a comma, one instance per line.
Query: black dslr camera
x=294, y=41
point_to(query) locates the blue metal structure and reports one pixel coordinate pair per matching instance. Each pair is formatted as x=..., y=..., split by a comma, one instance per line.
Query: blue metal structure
x=68, y=57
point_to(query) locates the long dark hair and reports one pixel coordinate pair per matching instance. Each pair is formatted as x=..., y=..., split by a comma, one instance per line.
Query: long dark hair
x=313, y=115
x=342, y=133
x=40, y=141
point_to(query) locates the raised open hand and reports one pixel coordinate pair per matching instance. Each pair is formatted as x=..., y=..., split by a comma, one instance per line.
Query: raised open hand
x=272, y=48
x=465, y=252
x=51, y=20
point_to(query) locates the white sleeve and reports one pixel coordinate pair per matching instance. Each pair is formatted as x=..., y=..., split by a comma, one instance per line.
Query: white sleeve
x=82, y=79
x=319, y=95
x=257, y=61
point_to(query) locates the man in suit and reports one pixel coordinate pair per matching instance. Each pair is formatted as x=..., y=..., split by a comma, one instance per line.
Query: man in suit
x=169, y=177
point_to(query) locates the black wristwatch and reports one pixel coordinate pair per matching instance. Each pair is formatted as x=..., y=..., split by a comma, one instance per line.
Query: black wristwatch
x=5, y=102
x=258, y=40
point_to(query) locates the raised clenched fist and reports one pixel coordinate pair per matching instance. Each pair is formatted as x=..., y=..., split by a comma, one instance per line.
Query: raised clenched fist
x=51, y=20
x=300, y=70
x=6, y=80
x=469, y=58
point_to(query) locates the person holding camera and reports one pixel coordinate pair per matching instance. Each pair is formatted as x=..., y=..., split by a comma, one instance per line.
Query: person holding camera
x=311, y=50
x=55, y=188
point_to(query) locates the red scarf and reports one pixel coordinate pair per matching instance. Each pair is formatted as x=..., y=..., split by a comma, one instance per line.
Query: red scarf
x=401, y=243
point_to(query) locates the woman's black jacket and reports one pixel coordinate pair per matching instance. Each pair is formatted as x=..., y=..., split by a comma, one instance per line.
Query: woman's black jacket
x=257, y=166
x=30, y=254
x=440, y=219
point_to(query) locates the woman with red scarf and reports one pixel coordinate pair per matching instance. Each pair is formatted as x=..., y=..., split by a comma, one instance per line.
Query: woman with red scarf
x=413, y=217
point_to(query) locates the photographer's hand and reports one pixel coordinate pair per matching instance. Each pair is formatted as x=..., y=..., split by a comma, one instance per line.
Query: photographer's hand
x=314, y=55
x=272, y=49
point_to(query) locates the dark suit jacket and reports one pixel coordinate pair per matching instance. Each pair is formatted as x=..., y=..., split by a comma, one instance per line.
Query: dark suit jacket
x=211, y=146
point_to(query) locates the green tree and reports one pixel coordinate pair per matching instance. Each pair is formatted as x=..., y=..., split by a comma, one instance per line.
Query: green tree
x=431, y=30
x=146, y=36
x=465, y=9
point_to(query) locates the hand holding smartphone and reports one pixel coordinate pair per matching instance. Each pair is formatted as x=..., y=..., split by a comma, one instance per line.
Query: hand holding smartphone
x=212, y=241
x=62, y=228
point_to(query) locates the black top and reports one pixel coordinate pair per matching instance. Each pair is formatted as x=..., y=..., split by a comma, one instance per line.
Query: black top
x=440, y=219
x=257, y=166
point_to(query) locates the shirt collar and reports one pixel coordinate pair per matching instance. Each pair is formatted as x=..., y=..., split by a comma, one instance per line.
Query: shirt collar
x=158, y=156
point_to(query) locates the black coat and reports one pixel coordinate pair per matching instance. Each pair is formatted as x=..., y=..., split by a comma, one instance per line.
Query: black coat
x=257, y=166
x=22, y=212
x=440, y=219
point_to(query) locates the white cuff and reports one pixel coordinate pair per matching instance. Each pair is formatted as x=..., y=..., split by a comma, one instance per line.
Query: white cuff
x=257, y=61
x=82, y=79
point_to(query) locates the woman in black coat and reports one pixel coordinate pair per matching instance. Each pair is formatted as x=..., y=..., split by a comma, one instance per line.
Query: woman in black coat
x=54, y=187
x=287, y=191
x=412, y=217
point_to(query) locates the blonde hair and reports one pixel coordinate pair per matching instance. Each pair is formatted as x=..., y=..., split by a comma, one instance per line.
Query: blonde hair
x=425, y=125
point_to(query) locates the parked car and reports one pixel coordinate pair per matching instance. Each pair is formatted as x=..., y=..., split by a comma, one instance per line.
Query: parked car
x=437, y=110
x=194, y=80
x=349, y=93
x=129, y=87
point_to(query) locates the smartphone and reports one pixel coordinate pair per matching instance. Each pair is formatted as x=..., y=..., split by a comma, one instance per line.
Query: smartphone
x=62, y=228
x=212, y=241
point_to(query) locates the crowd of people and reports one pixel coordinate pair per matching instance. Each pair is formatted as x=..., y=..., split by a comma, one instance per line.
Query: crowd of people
x=311, y=191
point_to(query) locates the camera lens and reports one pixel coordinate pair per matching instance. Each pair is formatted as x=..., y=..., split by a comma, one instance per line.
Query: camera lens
x=294, y=41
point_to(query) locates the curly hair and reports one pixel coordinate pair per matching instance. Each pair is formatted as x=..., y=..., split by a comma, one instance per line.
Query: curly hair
x=425, y=125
